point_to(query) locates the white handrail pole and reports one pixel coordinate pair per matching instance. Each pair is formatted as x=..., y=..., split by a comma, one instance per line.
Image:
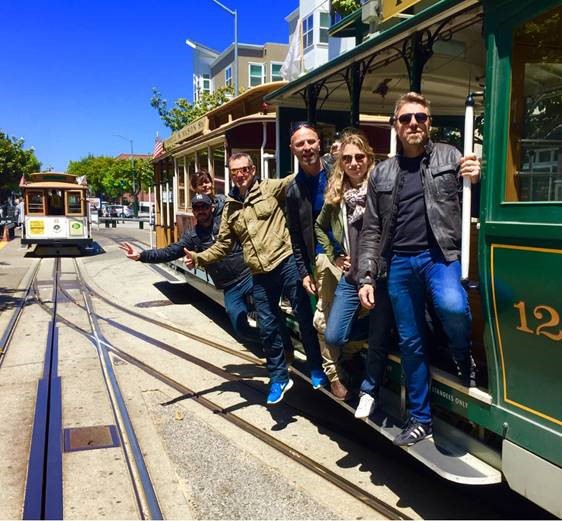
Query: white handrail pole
x=467, y=189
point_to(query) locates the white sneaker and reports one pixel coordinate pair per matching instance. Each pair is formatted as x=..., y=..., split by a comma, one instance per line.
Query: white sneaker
x=366, y=406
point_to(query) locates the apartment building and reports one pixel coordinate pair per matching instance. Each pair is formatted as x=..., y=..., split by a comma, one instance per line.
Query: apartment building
x=257, y=64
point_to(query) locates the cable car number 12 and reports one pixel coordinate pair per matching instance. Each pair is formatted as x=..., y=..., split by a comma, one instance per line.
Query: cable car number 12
x=549, y=317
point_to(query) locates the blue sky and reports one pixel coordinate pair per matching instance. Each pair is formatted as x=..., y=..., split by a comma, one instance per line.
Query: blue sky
x=76, y=72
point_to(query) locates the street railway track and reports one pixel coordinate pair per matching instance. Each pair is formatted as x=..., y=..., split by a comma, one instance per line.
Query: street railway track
x=44, y=494
x=10, y=327
x=382, y=508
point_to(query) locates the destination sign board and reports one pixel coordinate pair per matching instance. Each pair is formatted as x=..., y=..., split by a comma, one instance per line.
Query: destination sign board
x=194, y=128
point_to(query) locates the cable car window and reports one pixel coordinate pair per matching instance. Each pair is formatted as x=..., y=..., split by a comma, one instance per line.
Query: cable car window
x=180, y=176
x=35, y=202
x=535, y=131
x=74, y=203
x=203, y=160
x=218, y=168
x=190, y=168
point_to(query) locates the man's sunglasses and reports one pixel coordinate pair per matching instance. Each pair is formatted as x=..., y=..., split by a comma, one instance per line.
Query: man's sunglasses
x=348, y=158
x=404, y=119
x=200, y=206
x=241, y=170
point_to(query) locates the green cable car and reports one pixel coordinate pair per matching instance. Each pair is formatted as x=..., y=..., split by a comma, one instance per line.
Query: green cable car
x=502, y=61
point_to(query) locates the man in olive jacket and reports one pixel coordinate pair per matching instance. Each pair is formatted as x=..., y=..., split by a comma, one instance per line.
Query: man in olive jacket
x=253, y=216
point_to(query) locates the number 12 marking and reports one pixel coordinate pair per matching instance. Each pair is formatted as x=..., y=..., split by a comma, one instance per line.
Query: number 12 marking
x=552, y=320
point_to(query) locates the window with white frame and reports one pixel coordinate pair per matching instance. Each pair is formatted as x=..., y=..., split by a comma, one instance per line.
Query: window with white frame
x=256, y=74
x=308, y=31
x=205, y=83
x=228, y=76
x=276, y=71
x=195, y=87
x=324, y=27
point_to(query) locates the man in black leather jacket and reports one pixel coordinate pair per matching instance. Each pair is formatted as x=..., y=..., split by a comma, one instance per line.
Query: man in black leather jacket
x=230, y=274
x=411, y=236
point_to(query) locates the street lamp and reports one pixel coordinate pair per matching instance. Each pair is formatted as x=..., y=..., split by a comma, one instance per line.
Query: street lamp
x=135, y=195
x=235, y=14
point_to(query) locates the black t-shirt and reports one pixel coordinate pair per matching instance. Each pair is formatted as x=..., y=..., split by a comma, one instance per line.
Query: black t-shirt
x=412, y=233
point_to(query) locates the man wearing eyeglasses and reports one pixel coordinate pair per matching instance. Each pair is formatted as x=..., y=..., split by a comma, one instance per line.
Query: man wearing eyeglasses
x=411, y=236
x=229, y=274
x=253, y=215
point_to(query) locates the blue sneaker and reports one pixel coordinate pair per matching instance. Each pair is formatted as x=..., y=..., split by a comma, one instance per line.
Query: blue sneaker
x=277, y=391
x=318, y=378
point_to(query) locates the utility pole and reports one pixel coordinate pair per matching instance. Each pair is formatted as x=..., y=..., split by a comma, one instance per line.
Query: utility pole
x=133, y=176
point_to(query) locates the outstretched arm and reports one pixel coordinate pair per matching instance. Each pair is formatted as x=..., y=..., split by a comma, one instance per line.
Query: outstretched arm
x=130, y=252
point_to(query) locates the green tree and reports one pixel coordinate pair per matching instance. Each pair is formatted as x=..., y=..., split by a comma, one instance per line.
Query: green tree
x=15, y=161
x=345, y=7
x=110, y=178
x=184, y=112
x=95, y=169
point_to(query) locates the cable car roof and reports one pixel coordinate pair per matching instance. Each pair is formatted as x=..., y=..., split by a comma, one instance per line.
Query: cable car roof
x=58, y=180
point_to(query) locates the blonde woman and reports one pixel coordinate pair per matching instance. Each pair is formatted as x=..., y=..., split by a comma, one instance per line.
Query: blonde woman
x=337, y=229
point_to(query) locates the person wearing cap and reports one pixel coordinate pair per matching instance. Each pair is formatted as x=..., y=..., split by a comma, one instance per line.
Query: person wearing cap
x=201, y=182
x=254, y=216
x=229, y=274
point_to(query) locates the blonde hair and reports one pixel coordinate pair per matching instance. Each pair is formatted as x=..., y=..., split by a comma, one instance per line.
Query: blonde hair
x=335, y=189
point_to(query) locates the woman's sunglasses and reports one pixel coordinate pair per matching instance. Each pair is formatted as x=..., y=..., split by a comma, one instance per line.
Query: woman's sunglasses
x=348, y=158
x=421, y=117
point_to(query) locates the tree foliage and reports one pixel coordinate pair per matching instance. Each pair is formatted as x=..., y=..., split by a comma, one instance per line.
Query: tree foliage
x=15, y=161
x=345, y=7
x=183, y=112
x=110, y=178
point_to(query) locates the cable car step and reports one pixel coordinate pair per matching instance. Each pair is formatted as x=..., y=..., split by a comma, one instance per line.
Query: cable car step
x=440, y=453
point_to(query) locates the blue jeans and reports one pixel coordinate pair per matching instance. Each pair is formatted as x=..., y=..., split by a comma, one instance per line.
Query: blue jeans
x=381, y=323
x=343, y=326
x=236, y=305
x=412, y=278
x=268, y=288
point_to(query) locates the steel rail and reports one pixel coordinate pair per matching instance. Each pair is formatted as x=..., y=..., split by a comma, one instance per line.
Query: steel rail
x=355, y=491
x=16, y=314
x=43, y=492
x=297, y=456
x=126, y=425
x=345, y=485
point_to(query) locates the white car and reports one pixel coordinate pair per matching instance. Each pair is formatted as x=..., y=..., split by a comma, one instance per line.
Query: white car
x=117, y=210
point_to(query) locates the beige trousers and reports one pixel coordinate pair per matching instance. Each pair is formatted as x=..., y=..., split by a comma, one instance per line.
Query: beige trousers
x=327, y=278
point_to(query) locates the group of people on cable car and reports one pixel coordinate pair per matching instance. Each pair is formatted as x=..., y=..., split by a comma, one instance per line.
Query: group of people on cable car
x=375, y=244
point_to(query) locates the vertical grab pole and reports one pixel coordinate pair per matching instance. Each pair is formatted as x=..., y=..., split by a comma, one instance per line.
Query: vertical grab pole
x=467, y=188
x=392, y=151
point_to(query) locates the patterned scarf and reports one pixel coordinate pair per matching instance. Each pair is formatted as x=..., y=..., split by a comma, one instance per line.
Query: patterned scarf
x=355, y=201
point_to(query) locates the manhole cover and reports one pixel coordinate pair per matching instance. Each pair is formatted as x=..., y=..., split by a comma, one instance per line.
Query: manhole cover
x=88, y=438
x=153, y=304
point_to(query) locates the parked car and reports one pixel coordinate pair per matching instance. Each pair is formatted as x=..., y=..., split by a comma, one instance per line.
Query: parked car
x=117, y=210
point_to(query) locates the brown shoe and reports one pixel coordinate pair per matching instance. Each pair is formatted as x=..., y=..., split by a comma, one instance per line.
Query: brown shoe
x=289, y=356
x=339, y=390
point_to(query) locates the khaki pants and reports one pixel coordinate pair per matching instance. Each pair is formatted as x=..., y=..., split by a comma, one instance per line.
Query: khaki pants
x=327, y=278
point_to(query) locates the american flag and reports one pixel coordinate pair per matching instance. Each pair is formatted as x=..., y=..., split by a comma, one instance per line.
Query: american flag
x=158, y=148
